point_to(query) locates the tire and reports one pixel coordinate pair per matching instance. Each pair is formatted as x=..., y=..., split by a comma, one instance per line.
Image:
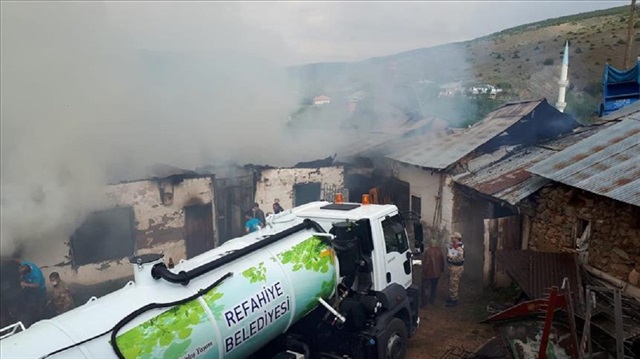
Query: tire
x=393, y=343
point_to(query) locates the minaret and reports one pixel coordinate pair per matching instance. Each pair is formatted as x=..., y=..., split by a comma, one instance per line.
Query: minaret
x=564, y=82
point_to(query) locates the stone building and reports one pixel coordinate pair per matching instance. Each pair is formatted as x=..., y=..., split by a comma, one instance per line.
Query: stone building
x=568, y=219
x=594, y=205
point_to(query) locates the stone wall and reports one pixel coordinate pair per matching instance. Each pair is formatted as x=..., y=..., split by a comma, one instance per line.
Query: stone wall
x=279, y=183
x=614, y=243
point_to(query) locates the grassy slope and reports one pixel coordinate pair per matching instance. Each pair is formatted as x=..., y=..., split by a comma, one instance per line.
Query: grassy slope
x=515, y=55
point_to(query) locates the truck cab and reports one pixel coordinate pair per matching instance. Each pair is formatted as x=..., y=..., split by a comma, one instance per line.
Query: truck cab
x=376, y=295
x=391, y=251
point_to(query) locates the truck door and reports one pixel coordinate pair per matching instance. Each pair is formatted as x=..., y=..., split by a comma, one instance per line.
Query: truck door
x=398, y=253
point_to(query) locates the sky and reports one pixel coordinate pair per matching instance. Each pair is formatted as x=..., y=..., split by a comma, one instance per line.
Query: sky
x=92, y=92
x=293, y=32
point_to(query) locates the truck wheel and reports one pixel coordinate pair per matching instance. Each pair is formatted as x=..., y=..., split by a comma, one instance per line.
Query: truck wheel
x=394, y=340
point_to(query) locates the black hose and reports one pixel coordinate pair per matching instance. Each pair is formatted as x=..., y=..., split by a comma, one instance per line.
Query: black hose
x=296, y=343
x=114, y=330
x=160, y=270
x=136, y=313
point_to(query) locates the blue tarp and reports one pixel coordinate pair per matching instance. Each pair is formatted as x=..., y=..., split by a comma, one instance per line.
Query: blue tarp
x=612, y=75
x=619, y=88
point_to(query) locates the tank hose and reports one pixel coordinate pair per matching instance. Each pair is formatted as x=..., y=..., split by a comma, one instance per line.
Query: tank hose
x=114, y=330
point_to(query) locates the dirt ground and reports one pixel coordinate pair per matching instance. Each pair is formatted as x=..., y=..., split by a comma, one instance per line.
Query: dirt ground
x=443, y=328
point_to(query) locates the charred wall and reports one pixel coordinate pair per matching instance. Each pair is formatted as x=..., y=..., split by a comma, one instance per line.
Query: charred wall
x=561, y=213
x=284, y=183
x=158, y=224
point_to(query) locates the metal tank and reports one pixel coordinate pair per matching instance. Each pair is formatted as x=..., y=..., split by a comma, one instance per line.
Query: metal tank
x=225, y=303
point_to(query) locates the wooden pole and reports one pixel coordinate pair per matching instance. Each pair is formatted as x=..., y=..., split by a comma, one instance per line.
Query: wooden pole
x=627, y=50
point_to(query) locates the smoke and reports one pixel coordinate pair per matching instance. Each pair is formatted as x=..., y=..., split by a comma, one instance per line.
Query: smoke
x=97, y=92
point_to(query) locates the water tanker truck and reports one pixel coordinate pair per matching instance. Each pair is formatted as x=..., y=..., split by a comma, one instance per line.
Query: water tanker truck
x=323, y=280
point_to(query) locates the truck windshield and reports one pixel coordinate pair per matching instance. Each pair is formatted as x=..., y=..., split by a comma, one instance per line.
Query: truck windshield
x=395, y=237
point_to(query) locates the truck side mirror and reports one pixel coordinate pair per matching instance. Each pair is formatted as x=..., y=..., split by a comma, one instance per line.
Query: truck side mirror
x=418, y=234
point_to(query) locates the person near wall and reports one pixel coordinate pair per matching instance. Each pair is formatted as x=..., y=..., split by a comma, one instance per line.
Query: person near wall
x=258, y=213
x=277, y=208
x=252, y=224
x=61, y=299
x=432, y=268
x=455, y=262
x=34, y=291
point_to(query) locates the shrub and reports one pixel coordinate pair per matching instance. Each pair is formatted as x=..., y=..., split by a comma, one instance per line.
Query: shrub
x=621, y=42
x=578, y=50
x=548, y=62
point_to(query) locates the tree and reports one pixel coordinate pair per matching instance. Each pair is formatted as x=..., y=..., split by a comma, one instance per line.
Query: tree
x=627, y=50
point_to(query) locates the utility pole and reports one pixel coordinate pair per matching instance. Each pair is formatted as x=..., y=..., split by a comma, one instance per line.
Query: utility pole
x=627, y=50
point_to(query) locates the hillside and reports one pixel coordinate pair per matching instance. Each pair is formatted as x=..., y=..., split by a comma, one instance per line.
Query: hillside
x=524, y=59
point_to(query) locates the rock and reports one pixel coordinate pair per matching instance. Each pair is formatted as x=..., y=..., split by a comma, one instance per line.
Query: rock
x=634, y=277
x=622, y=254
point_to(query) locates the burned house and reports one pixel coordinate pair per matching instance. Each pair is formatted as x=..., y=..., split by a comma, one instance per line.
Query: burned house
x=296, y=186
x=173, y=215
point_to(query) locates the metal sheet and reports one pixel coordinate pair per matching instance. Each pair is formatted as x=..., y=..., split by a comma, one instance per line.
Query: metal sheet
x=535, y=271
x=607, y=163
x=444, y=151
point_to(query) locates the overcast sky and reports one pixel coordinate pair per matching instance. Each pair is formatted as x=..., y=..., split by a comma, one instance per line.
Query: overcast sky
x=301, y=32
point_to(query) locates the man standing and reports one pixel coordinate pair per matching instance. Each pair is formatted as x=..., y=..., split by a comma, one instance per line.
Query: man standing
x=455, y=261
x=252, y=224
x=34, y=290
x=277, y=208
x=61, y=300
x=432, y=268
x=257, y=213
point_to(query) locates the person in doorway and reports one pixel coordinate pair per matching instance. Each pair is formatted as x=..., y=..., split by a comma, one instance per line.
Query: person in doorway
x=34, y=291
x=455, y=261
x=257, y=213
x=432, y=268
x=61, y=299
x=252, y=224
x=277, y=208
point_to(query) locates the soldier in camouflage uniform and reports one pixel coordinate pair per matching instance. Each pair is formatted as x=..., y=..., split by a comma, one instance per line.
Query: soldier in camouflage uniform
x=61, y=300
x=455, y=261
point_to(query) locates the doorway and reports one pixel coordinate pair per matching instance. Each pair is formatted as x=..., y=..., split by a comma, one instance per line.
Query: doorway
x=304, y=193
x=234, y=196
x=199, y=229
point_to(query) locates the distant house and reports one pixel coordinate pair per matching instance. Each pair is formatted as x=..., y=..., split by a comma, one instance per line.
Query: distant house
x=450, y=89
x=484, y=89
x=321, y=100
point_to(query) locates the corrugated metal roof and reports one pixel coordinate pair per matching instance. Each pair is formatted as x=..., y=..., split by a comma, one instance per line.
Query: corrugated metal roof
x=607, y=163
x=535, y=271
x=508, y=179
x=379, y=142
x=628, y=110
x=446, y=150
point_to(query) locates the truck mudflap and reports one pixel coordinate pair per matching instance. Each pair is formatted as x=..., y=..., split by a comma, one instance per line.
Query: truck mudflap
x=413, y=293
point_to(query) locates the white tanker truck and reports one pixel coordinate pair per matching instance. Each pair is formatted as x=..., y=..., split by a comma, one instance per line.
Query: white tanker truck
x=323, y=280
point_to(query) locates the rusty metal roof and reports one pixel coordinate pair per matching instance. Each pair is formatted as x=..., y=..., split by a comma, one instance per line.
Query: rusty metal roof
x=509, y=180
x=535, y=271
x=447, y=150
x=607, y=163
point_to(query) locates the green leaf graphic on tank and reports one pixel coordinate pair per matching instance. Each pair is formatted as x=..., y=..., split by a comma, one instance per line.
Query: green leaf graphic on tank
x=256, y=274
x=167, y=335
x=311, y=254
x=325, y=291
